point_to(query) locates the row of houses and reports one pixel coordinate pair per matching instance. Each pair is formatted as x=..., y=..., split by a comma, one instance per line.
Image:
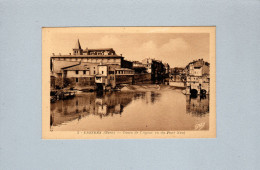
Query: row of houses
x=102, y=68
x=195, y=77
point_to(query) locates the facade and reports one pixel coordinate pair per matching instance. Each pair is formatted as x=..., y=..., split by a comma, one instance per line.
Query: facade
x=94, y=56
x=138, y=64
x=177, y=74
x=156, y=68
x=167, y=69
x=81, y=67
x=109, y=76
x=147, y=62
x=79, y=75
x=158, y=71
x=177, y=77
x=104, y=76
x=139, y=67
x=124, y=76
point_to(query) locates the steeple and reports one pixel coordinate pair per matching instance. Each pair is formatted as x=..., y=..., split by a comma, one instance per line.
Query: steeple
x=78, y=46
x=77, y=50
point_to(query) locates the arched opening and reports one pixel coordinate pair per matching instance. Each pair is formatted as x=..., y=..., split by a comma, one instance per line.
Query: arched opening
x=203, y=92
x=193, y=93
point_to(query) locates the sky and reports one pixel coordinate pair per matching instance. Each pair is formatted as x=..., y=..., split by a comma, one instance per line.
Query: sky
x=176, y=49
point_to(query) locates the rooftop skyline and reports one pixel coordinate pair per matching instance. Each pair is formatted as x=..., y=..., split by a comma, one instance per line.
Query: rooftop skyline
x=173, y=48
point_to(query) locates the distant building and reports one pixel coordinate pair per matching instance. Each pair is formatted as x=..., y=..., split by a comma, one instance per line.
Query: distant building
x=177, y=74
x=177, y=71
x=198, y=77
x=177, y=77
x=147, y=63
x=167, y=69
x=138, y=64
x=139, y=67
x=156, y=68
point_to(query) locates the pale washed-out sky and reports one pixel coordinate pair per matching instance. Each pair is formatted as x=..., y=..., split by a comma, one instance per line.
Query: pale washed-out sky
x=177, y=49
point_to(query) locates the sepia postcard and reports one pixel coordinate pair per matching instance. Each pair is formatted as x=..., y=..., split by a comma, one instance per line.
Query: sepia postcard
x=128, y=82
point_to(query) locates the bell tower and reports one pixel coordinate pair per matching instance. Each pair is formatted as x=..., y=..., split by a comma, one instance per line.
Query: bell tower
x=77, y=50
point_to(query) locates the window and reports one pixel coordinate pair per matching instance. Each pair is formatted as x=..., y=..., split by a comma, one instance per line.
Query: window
x=94, y=72
x=77, y=72
x=102, y=72
x=84, y=71
x=77, y=80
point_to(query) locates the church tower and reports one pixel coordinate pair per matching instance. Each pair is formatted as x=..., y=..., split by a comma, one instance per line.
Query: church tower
x=78, y=50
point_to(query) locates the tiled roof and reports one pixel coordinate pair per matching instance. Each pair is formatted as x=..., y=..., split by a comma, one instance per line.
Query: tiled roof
x=77, y=67
x=68, y=65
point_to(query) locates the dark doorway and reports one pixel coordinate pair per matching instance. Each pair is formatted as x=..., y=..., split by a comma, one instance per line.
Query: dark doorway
x=193, y=93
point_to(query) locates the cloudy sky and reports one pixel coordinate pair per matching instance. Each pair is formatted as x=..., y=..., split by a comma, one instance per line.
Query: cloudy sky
x=176, y=49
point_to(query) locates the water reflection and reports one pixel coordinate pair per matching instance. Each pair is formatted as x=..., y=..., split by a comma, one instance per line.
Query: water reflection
x=198, y=106
x=98, y=104
x=158, y=110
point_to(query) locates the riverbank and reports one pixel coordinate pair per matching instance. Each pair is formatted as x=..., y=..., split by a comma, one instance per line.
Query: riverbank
x=63, y=94
x=147, y=87
x=127, y=87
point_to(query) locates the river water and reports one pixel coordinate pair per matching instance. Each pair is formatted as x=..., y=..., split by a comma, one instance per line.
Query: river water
x=164, y=109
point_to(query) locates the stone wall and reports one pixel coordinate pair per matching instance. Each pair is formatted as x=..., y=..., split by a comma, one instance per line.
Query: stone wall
x=82, y=81
x=142, y=78
x=124, y=79
x=71, y=82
